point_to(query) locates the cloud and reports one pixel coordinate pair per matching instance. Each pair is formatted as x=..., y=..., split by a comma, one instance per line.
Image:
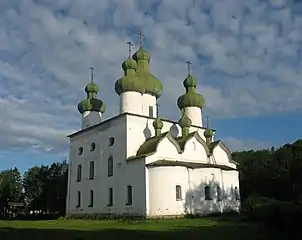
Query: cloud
x=246, y=56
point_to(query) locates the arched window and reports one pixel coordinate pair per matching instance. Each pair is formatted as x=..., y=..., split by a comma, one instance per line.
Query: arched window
x=178, y=193
x=110, y=166
x=237, y=195
x=111, y=141
x=219, y=194
x=92, y=147
x=79, y=173
x=207, y=193
x=80, y=151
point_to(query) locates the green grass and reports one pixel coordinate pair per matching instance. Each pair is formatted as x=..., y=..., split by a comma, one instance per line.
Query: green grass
x=205, y=228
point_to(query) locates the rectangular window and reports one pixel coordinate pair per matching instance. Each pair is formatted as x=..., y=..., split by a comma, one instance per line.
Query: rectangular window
x=110, y=166
x=91, y=198
x=207, y=193
x=219, y=194
x=150, y=111
x=79, y=173
x=129, y=195
x=78, y=199
x=91, y=170
x=110, y=197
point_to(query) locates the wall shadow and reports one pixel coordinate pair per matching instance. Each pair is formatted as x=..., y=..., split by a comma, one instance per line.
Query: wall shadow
x=223, y=200
x=201, y=232
x=147, y=131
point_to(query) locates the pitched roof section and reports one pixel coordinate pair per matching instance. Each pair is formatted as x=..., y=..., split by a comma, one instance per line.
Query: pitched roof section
x=220, y=143
x=149, y=147
x=183, y=140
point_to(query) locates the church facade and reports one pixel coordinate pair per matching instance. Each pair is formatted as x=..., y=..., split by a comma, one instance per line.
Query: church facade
x=138, y=163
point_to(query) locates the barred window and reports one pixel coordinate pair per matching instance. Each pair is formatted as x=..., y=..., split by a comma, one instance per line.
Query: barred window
x=178, y=193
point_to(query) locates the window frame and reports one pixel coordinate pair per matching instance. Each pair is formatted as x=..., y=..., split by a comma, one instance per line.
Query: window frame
x=129, y=195
x=78, y=199
x=110, y=166
x=178, y=193
x=92, y=147
x=79, y=173
x=236, y=193
x=219, y=193
x=110, y=199
x=80, y=150
x=91, y=170
x=151, y=111
x=208, y=193
x=91, y=198
x=111, y=141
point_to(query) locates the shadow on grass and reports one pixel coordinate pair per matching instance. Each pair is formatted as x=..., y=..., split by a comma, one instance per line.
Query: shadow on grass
x=209, y=232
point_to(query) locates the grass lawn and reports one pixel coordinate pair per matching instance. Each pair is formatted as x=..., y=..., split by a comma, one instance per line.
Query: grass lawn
x=206, y=228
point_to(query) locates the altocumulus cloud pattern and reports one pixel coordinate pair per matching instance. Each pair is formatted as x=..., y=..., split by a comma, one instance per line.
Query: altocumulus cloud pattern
x=246, y=56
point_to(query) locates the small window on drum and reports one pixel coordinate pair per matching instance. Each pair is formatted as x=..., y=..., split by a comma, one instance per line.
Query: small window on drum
x=92, y=147
x=80, y=151
x=111, y=141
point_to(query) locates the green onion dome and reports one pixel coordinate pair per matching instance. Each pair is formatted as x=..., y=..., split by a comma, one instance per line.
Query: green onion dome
x=191, y=98
x=158, y=124
x=208, y=133
x=129, y=64
x=91, y=103
x=129, y=82
x=184, y=121
x=150, y=83
x=141, y=54
x=94, y=105
x=91, y=88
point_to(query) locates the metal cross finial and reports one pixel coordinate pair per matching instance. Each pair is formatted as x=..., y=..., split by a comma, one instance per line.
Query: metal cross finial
x=92, y=73
x=208, y=121
x=140, y=35
x=130, y=44
x=189, y=66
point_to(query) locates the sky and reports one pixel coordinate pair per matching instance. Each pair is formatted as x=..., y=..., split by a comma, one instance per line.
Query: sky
x=246, y=56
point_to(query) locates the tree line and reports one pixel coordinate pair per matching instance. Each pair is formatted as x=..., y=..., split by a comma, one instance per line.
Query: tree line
x=41, y=187
x=270, y=181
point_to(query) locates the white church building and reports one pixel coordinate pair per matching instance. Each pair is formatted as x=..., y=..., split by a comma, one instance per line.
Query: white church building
x=138, y=163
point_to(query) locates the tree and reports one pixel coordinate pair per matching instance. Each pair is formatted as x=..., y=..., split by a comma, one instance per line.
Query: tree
x=45, y=188
x=10, y=188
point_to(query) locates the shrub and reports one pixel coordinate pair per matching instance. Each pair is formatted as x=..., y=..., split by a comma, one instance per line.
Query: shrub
x=279, y=215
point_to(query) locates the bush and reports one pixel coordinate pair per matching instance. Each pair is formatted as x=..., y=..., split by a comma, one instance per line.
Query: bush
x=279, y=215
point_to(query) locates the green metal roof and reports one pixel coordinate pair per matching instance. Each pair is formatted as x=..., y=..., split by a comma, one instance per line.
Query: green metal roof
x=150, y=145
x=169, y=163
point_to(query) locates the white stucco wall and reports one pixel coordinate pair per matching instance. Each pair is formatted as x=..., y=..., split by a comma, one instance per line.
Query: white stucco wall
x=90, y=118
x=124, y=173
x=194, y=113
x=162, y=191
x=137, y=103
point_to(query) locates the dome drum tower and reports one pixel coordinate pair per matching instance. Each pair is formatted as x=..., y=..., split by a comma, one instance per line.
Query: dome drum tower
x=191, y=103
x=138, y=88
x=91, y=108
